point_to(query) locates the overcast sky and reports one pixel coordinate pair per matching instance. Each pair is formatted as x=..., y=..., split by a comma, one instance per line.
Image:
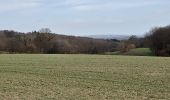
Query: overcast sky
x=85, y=17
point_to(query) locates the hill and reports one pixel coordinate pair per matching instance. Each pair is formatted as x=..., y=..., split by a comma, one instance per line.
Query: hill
x=38, y=42
x=118, y=37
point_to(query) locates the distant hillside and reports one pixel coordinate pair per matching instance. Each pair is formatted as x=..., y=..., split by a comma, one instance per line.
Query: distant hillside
x=118, y=37
x=37, y=42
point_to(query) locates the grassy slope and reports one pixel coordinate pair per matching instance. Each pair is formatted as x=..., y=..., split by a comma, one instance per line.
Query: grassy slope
x=140, y=52
x=135, y=52
x=83, y=77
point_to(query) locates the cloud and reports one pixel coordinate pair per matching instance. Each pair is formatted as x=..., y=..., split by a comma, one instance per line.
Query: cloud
x=113, y=5
x=93, y=5
x=13, y=5
x=78, y=5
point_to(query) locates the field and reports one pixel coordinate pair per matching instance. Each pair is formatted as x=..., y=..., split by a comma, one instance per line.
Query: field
x=140, y=52
x=83, y=77
x=135, y=52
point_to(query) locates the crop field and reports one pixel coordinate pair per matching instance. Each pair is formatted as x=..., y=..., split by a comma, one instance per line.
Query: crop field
x=83, y=77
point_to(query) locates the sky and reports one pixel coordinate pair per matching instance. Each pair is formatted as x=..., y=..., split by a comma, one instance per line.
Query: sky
x=85, y=17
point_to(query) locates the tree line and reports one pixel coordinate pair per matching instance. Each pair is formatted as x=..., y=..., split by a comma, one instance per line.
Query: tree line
x=157, y=39
x=44, y=41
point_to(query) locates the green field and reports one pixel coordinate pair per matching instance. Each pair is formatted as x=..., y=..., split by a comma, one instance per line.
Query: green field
x=140, y=52
x=83, y=77
x=134, y=52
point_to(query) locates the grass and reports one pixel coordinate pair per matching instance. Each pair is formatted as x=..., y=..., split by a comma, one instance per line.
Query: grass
x=135, y=52
x=140, y=52
x=83, y=77
x=4, y=52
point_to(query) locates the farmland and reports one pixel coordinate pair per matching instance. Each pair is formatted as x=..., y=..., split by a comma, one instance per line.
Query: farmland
x=83, y=77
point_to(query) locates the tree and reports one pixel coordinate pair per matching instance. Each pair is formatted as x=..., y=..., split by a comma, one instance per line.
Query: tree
x=46, y=42
x=159, y=41
x=138, y=42
x=133, y=38
x=3, y=42
x=44, y=30
x=43, y=39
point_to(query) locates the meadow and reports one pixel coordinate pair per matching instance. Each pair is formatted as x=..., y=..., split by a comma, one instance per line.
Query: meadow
x=134, y=52
x=83, y=77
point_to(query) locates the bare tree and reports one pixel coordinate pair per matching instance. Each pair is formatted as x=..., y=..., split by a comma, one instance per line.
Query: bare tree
x=44, y=30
